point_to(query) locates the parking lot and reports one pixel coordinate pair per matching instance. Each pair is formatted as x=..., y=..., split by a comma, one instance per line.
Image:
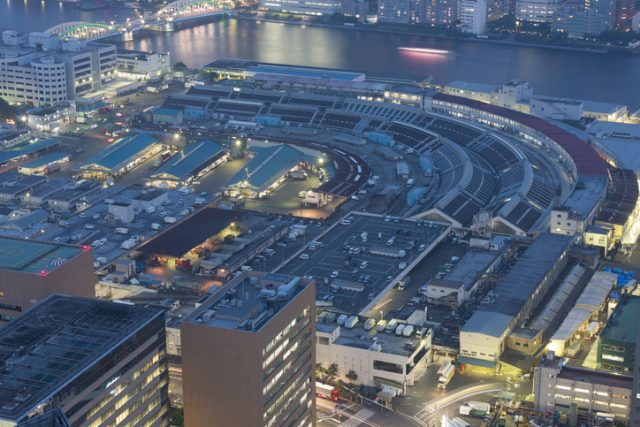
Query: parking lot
x=363, y=255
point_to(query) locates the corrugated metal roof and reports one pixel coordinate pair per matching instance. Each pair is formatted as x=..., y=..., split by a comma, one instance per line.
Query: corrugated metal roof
x=266, y=166
x=29, y=149
x=189, y=161
x=120, y=153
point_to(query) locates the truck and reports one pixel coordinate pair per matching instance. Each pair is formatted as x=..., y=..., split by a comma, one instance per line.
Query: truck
x=403, y=283
x=410, y=182
x=122, y=230
x=351, y=322
x=155, y=226
x=475, y=409
x=296, y=231
x=170, y=219
x=400, y=329
x=446, y=376
x=128, y=244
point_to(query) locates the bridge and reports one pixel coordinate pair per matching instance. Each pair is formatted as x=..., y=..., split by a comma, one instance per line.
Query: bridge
x=163, y=20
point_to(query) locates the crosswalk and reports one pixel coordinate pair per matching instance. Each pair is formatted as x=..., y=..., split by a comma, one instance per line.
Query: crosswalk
x=358, y=418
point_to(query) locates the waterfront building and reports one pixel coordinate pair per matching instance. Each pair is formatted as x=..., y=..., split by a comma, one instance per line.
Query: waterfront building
x=303, y=7
x=137, y=65
x=248, y=354
x=31, y=270
x=537, y=10
x=29, y=75
x=625, y=11
x=96, y=362
x=473, y=16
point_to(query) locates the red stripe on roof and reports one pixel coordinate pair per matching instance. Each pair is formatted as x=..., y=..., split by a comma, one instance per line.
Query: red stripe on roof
x=588, y=162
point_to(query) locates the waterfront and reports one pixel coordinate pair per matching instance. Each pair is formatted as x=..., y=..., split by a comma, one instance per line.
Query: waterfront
x=552, y=72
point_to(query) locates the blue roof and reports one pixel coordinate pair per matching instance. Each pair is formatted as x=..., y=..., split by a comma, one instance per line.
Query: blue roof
x=29, y=149
x=304, y=72
x=193, y=158
x=121, y=152
x=45, y=160
x=267, y=165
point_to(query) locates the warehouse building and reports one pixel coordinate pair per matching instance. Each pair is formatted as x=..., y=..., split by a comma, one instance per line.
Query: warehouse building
x=97, y=362
x=121, y=156
x=617, y=344
x=267, y=170
x=44, y=165
x=13, y=185
x=483, y=337
x=31, y=149
x=195, y=160
x=31, y=270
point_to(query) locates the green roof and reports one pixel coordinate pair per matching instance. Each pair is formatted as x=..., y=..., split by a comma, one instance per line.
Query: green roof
x=28, y=149
x=191, y=160
x=267, y=166
x=120, y=153
x=623, y=323
x=32, y=256
x=45, y=160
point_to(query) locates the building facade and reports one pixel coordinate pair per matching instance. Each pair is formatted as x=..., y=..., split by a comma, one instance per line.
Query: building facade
x=104, y=364
x=248, y=354
x=30, y=75
x=473, y=16
x=31, y=270
x=557, y=388
x=537, y=10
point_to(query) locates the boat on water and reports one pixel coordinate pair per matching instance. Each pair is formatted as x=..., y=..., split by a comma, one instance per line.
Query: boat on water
x=424, y=50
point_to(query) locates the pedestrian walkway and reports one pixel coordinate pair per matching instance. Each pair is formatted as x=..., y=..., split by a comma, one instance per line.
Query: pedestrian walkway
x=360, y=417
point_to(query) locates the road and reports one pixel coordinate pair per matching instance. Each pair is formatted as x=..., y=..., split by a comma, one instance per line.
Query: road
x=434, y=409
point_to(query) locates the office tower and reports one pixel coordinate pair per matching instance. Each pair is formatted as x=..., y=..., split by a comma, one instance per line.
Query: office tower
x=537, y=10
x=100, y=363
x=248, y=354
x=31, y=270
x=473, y=16
x=625, y=10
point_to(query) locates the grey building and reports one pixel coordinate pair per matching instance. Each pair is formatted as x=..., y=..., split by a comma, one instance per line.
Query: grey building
x=98, y=362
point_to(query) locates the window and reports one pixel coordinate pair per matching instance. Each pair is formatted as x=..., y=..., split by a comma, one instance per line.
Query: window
x=323, y=340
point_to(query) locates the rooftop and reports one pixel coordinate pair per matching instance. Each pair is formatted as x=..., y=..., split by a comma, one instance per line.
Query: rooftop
x=595, y=377
x=358, y=337
x=120, y=152
x=32, y=256
x=622, y=130
x=623, y=323
x=586, y=159
x=487, y=323
x=267, y=165
x=191, y=160
x=472, y=265
x=470, y=86
x=528, y=272
x=249, y=301
x=186, y=235
x=28, y=149
x=54, y=342
x=254, y=68
x=44, y=160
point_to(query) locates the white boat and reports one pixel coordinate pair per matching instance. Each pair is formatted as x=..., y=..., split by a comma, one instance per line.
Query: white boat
x=424, y=50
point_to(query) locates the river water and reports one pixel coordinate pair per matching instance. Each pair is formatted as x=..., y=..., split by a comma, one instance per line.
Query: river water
x=607, y=78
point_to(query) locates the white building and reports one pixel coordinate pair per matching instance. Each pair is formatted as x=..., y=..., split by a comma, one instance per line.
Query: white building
x=473, y=16
x=31, y=75
x=484, y=336
x=135, y=65
x=557, y=387
x=537, y=10
x=303, y=7
x=377, y=358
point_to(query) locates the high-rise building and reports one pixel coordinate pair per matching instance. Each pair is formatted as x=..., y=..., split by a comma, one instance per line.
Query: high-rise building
x=625, y=10
x=496, y=9
x=41, y=70
x=303, y=7
x=31, y=270
x=473, y=16
x=100, y=363
x=537, y=10
x=248, y=355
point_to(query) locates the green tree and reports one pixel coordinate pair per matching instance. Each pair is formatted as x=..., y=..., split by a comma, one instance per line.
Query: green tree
x=176, y=416
x=7, y=111
x=320, y=371
x=331, y=373
x=352, y=376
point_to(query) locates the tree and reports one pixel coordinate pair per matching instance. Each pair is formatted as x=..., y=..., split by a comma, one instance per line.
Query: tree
x=352, y=376
x=320, y=371
x=7, y=111
x=331, y=373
